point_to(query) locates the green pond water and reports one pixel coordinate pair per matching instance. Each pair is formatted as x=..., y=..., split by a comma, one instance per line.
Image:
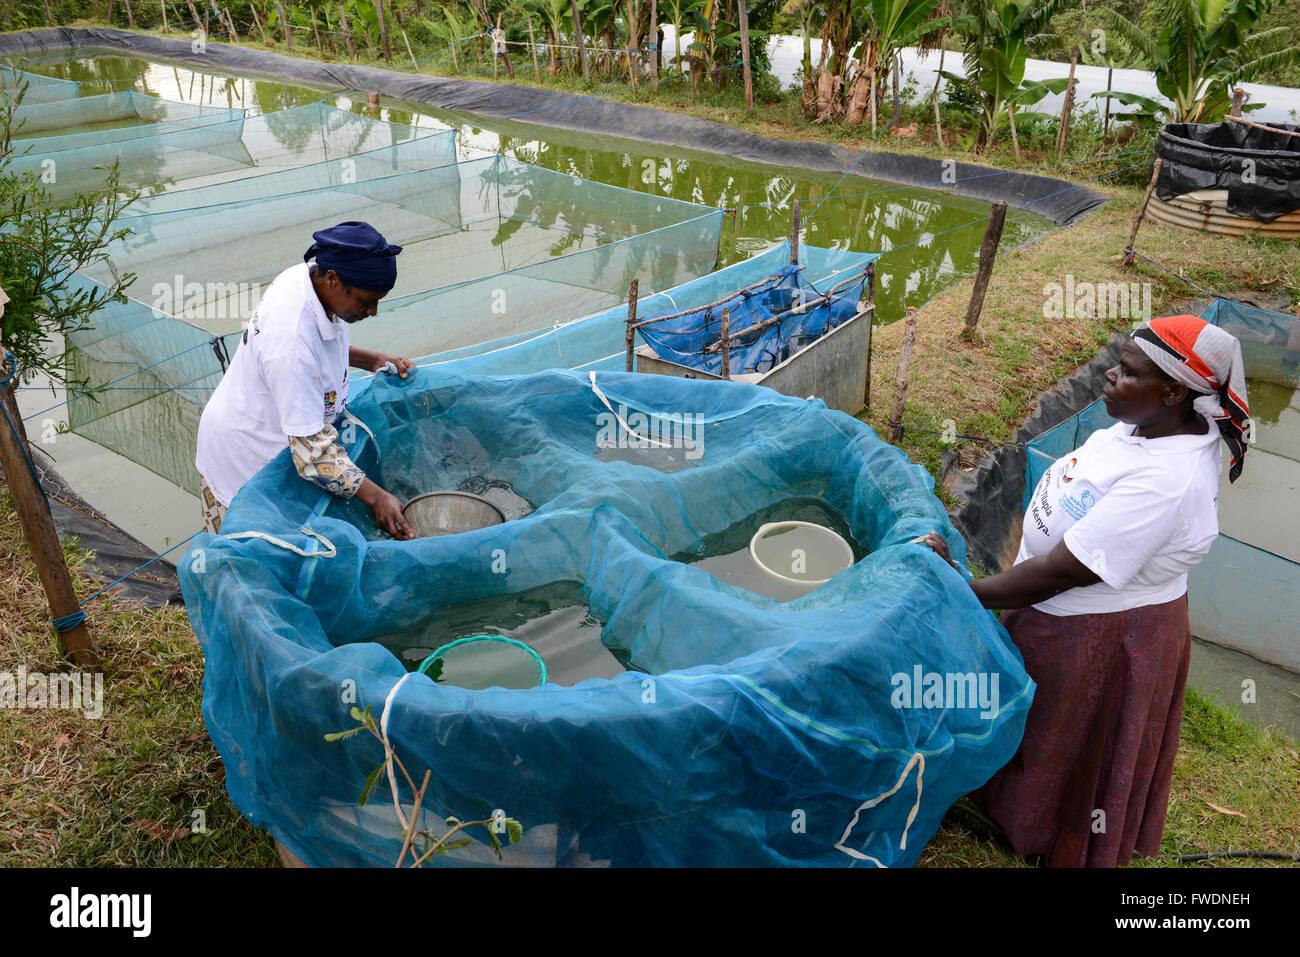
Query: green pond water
x=861, y=214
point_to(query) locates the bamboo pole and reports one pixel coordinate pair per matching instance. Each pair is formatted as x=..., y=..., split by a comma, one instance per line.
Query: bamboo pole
x=315, y=29
x=988, y=252
x=744, y=54
x=130, y=15
x=901, y=378
x=725, y=341
x=1015, y=138
x=347, y=33
x=1129, y=254
x=532, y=46
x=630, y=339
x=578, y=39
x=161, y=3
x=42, y=538
x=415, y=64
x=194, y=14
x=1067, y=110
x=230, y=24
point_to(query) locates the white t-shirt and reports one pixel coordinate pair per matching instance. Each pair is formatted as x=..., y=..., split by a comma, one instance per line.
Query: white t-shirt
x=289, y=377
x=1138, y=512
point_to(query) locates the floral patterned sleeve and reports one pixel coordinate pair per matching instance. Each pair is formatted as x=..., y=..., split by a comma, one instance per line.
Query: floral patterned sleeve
x=320, y=459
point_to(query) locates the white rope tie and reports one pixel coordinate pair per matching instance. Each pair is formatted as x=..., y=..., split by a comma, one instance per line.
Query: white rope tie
x=388, y=755
x=918, y=760
x=330, y=550
x=631, y=431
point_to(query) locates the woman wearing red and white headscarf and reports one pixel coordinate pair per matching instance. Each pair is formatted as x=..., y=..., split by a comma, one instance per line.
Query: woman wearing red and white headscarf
x=1099, y=592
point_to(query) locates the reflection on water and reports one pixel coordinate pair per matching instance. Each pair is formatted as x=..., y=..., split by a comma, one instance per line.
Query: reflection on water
x=553, y=620
x=1259, y=508
x=725, y=554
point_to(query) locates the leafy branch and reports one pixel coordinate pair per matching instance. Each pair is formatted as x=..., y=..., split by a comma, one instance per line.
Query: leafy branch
x=420, y=843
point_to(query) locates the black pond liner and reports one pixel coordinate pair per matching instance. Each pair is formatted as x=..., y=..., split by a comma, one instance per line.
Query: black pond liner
x=1259, y=169
x=1057, y=200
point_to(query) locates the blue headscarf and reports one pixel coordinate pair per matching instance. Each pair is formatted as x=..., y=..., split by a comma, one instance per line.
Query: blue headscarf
x=356, y=251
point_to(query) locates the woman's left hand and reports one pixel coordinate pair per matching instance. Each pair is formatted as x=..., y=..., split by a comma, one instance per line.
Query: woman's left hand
x=399, y=366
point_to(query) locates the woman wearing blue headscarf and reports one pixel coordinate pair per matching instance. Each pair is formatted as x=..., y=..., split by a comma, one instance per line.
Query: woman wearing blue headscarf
x=288, y=382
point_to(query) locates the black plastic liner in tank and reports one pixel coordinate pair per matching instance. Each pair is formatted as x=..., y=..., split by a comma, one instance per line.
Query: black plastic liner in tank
x=1260, y=169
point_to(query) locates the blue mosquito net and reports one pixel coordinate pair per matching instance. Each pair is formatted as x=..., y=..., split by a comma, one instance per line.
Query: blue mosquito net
x=734, y=729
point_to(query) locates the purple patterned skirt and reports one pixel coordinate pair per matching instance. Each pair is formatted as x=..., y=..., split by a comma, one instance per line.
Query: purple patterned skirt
x=1090, y=783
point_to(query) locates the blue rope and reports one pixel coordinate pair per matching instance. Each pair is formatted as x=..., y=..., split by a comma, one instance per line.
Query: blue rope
x=129, y=574
x=68, y=622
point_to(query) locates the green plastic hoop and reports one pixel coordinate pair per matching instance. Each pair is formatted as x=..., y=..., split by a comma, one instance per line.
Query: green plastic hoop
x=541, y=665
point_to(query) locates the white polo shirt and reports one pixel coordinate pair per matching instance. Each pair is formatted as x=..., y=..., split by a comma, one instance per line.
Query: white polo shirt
x=1138, y=512
x=289, y=377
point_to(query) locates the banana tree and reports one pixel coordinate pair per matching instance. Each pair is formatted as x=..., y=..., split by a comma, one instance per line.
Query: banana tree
x=1204, y=48
x=893, y=25
x=451, y=30
x=679, y=13
x=555, y=17
x=998, y=37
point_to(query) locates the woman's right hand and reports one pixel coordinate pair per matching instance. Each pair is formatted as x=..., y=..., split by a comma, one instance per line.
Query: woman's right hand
x=940, y=546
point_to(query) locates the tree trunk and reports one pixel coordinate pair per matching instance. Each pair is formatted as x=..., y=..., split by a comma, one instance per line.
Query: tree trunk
x=532, y=47
x=347, y=33
x=652, y=31
x=383, y=31
x=130, y=15
x=194, y=14
x=284, y=25
x=49, y=15
x=1015, y=139
x=1063, y=137
x=633, y=41
x=744, y=54
x=577, y=38
x=934, y=97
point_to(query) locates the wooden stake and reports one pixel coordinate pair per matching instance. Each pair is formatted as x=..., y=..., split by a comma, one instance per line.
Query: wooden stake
x=1260, y=126
x=1238, y=100
x=796, y=215
x=161, y=3
x=1129, y=255
x=577, y=34
x=49, y=15
x=988, y=252
x=871, y=329
x=315, y=29
x=532, y=45
x=42, y=539
x=1067, y=109
x=130, y=15
x=631, y=323
x=230, y=24
x=257, y=22
x=383, y=31
x=725, y=340
x=744, y=55
x=901, y=379
x=194, y=14
x=1105, y=126
x=347, y=33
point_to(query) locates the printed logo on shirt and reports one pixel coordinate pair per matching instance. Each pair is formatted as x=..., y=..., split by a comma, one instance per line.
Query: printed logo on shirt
x=1065, y=471
x=1076, y=506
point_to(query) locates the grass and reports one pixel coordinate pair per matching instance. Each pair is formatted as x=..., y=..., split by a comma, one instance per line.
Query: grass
x=121, y=790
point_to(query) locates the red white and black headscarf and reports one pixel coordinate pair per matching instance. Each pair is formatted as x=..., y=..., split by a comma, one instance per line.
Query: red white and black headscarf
x=1208, y=361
